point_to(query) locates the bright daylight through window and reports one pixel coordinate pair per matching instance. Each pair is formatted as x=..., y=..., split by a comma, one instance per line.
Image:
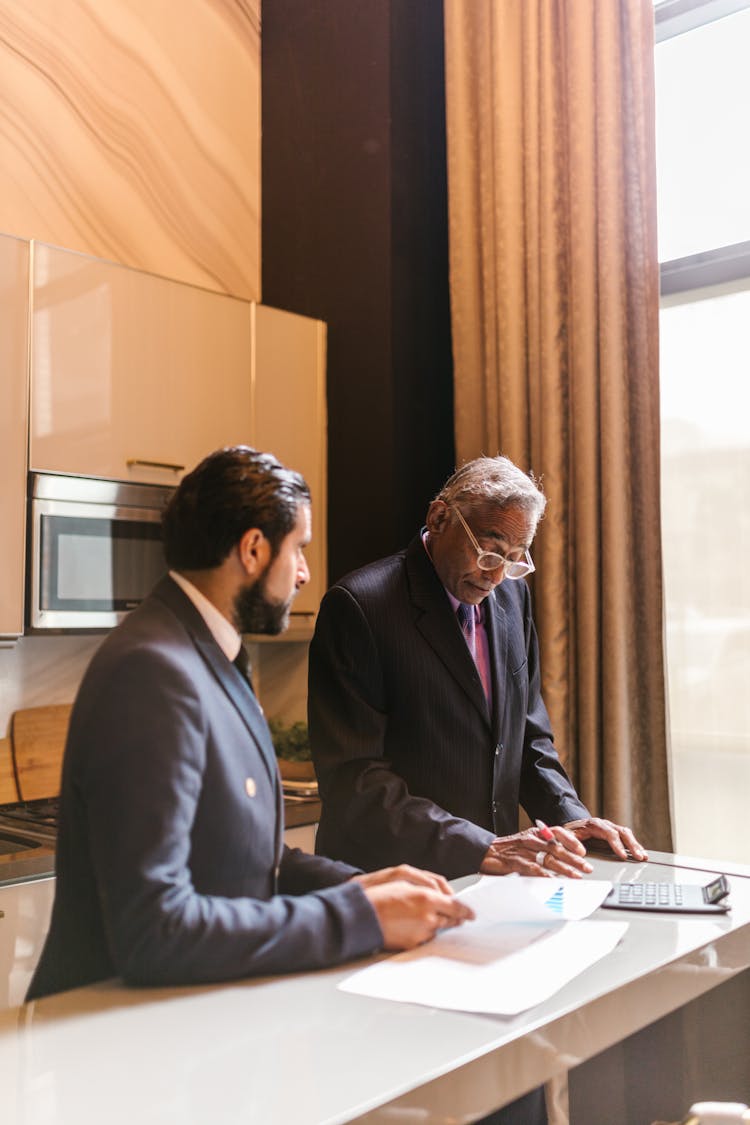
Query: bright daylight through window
x=703, y=165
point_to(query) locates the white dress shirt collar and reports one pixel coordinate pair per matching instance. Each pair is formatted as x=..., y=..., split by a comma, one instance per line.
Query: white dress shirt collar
x=223, y=632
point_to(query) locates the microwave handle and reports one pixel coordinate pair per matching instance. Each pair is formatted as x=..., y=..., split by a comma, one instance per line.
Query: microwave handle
x=131, y=461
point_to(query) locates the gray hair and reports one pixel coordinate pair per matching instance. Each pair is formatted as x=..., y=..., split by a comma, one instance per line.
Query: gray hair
x=498, y=480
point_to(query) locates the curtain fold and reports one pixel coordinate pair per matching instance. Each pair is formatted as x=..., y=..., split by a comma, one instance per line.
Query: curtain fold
x=554, y=308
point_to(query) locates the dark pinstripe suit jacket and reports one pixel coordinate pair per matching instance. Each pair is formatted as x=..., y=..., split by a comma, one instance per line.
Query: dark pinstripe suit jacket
x=412, y=765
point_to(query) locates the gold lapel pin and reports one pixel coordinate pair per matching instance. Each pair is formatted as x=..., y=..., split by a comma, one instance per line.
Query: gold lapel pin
x=250, y=787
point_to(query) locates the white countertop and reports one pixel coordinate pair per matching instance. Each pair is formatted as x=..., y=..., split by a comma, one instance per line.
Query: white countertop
x=294, y=1049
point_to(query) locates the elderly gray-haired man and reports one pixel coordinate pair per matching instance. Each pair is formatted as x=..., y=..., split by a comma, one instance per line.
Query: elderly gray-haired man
x=427, y=721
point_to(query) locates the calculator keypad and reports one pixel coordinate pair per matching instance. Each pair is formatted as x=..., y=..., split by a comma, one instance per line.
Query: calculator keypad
x=650, y=894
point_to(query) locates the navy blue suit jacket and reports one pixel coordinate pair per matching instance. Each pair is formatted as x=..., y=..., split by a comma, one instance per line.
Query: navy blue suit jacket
x=171, y=867
x=413, y=765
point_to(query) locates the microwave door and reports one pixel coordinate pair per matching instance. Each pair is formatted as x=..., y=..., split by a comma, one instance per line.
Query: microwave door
x=91, y=563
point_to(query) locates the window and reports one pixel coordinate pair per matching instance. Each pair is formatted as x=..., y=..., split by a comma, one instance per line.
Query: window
x=703, y=167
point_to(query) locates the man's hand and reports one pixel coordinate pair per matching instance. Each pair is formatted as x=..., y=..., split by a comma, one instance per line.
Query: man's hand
x=528, y=853
x=404, y=873
x=620, y=839
x=411, y=905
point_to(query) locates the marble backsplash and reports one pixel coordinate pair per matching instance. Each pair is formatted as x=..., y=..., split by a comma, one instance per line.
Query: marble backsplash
x=131, y=131
x=40, y=670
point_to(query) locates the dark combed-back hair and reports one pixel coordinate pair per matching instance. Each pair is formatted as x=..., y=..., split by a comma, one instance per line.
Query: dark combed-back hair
x=229, y=492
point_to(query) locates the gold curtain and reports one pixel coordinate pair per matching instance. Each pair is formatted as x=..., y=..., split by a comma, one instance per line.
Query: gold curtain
x=554, y=306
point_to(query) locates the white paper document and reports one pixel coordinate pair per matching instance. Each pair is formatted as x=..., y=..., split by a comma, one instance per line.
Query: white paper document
x=515, y=898
x=518, y=951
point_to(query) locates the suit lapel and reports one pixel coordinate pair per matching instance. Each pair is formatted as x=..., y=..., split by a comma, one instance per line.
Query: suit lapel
x=246, y=702
x=229, y=678
x=242, y=698
x=436, y=621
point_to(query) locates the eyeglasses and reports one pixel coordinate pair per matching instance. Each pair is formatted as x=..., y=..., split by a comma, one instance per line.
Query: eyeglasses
x=491, y=560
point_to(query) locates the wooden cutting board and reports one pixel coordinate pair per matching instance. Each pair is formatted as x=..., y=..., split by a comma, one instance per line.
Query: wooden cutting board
x=8, y=791
x=37, y=740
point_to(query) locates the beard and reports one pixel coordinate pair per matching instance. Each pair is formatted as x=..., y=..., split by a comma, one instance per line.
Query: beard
x=254, y=613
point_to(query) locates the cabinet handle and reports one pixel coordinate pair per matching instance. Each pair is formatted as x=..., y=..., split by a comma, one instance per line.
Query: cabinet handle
x=154, y=464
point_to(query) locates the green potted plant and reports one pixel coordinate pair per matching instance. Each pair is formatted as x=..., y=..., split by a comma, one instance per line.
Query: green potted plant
x=292, y=745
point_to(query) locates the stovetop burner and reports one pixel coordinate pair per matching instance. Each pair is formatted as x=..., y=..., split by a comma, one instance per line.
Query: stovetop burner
x=40, y=814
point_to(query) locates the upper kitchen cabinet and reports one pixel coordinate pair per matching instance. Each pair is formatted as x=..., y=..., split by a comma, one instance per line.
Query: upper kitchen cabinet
x=289, y=364
x=133, y=377
x=14, y=337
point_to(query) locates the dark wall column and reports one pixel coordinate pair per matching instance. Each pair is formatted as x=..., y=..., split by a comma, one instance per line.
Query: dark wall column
x=354, y=231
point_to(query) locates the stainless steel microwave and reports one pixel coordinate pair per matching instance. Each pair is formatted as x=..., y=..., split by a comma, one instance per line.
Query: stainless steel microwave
x=94, y=550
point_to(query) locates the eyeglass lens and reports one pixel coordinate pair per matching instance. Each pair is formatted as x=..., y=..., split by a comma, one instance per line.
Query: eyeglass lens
x=489, y=560
x=514, y=568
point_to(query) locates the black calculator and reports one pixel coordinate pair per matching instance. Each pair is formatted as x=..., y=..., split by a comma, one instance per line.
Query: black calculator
x=684, y=898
